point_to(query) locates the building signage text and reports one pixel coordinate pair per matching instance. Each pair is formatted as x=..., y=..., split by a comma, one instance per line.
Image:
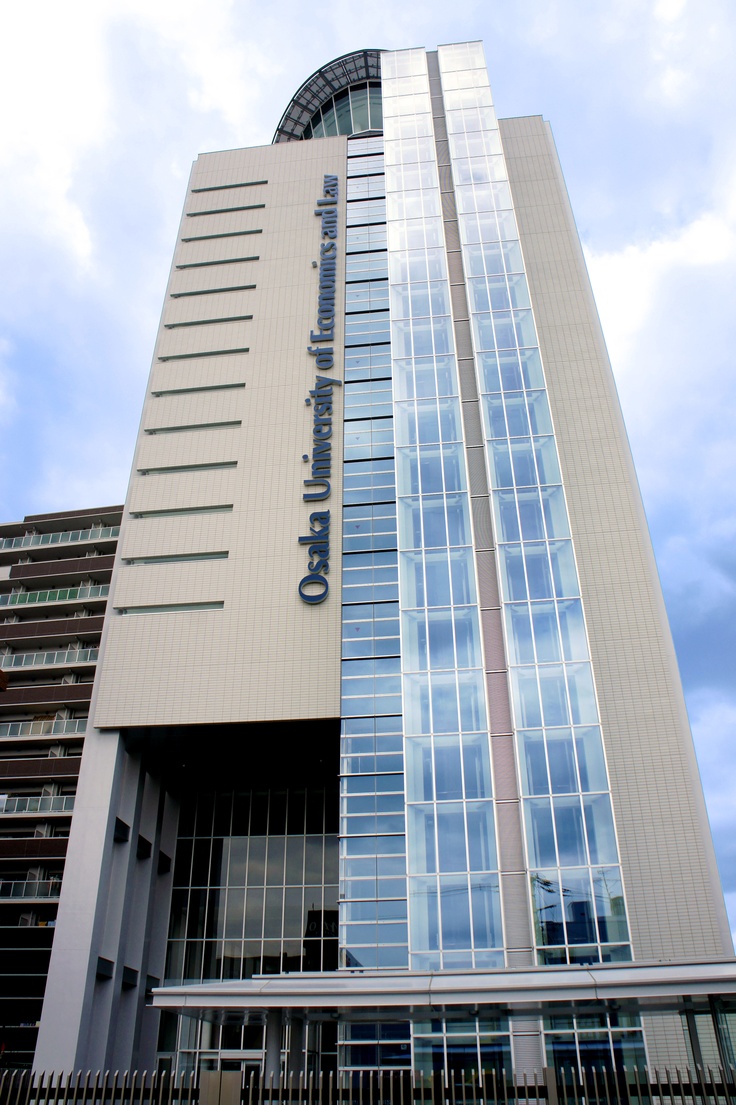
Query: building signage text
x=314, y=586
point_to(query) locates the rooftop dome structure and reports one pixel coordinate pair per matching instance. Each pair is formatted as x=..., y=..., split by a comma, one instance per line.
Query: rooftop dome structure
x=342, y=97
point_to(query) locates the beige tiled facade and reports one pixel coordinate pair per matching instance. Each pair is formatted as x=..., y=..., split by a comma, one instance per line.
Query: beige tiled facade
x=265, y=655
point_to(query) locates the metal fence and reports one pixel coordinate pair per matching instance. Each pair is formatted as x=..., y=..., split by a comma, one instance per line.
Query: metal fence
x=602, y=1087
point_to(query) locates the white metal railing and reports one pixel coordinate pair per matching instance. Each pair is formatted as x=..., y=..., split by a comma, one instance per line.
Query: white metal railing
x=44, y=659
x=59, y=594
x=37, y=803
x=64, y=537
x=43, y=728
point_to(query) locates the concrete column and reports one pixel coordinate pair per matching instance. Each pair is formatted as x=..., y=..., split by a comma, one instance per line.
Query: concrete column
x=274, y=1022
x=295, y=1059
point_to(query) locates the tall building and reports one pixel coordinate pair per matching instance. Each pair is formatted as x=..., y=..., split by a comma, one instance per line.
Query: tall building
x=390, y=762
x=55, y=573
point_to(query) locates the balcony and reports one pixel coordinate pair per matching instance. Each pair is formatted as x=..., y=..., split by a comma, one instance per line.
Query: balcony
x=39, y=769
x=45, y=698
x=37, y=803
x=40, y=888
x=50, y=631
x=62, y=573
x=43, y=728
x=49, y=659
x=64, y=537
x=60, y=594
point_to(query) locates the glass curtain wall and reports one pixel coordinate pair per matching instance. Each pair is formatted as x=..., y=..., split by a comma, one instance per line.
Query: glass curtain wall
x=255, y=892
x=373, y=931
x=572, y=855
x=454, y=904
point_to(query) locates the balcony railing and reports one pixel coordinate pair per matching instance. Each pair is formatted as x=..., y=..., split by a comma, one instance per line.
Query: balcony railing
x=45, y=659
x=40, y=888
x=43, y=728
x=60, y=594
x=65, y=537
x=37, y=803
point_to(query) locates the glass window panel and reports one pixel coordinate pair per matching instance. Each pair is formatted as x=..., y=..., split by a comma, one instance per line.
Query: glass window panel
x=430, y=470
x=495, y=416
x=591, y=763
x=444, y=702
x=419, y=771
x=441, y=639
x=458, y=519
x=416, y=704
x=570, y=835
x=509, y=367
x=411, y=566
x=519, y=295
x=489, y=373
x=507, y=520
x=526, y=697
x=438, y=577
x=478, y=288
x=486, y=906
x=359, y=104
x=481, y=836
x=610, y=907
x=548, y=925
x=472, y=701
x=462, y=571
x=530, y=515
x=561, y=756
x=579, y=912
x=572, y=627
x=415, y=641
x=546, y=635
x=513, y=578
x=424, y=914
x=455, y=912
x=434, y=521
x=538, y=573
x=533, y=762
x=407, y=471
x=451, y=837
x=450, y=421
x=582, y=695
x=539, y=833
x=599, y=825
x=564, y=571
x=501, y=472
x=539, y=416
x=524, y=324
x=421, y=839
x=516, y=414
x=503, y=326
x=453, y=464
x=554, y=695
x=547, y=465
x=522, y=456
x=447, y=767
x=467, y=638
x=476, y=765
x=519, y=634
x=555, y=512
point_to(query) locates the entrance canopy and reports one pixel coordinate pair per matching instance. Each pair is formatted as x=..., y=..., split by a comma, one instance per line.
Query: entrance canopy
x=413, y=995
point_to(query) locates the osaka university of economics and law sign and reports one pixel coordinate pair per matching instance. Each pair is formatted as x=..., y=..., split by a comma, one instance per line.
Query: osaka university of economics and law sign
x=314, y=586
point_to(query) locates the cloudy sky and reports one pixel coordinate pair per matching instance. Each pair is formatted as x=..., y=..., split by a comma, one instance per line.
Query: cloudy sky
x=107, y=102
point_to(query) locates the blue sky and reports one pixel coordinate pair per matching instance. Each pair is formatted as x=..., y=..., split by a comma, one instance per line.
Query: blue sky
x=107, y=103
